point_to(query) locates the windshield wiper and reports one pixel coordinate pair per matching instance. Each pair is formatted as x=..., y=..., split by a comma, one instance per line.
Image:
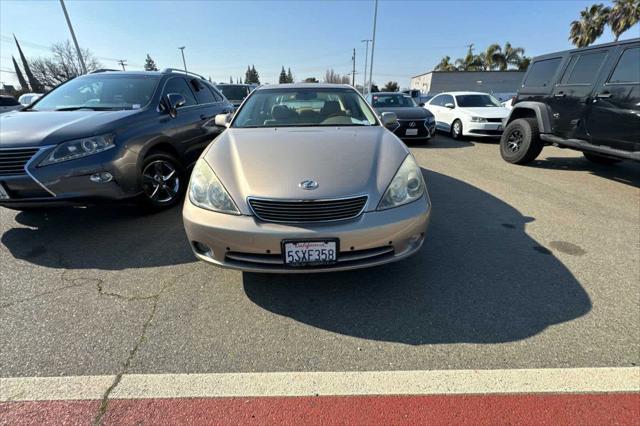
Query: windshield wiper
x=75, y=108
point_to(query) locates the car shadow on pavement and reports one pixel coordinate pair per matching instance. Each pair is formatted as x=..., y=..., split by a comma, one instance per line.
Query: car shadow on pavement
x=627, y=172
x=109, y=237
x=439, y=141
x=479, y=279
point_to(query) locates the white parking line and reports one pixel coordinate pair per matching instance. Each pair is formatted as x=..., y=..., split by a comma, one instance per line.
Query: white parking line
x=560, y=380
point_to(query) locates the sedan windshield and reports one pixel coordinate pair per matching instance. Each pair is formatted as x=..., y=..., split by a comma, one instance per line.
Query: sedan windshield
x=304, y=107
x=392, y=101
x=476, y=101
x=100, y=92
x=234, y=92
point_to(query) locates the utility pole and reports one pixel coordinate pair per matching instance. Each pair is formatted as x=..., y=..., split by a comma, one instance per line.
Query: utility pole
x=353, y=73
x=73, y=36
x=366, y=58
x=122, y=63
x=373, y=44
x=183, y=61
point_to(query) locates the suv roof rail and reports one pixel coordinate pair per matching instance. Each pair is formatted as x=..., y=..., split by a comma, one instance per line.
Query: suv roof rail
x=101, y=70
x=177, y=70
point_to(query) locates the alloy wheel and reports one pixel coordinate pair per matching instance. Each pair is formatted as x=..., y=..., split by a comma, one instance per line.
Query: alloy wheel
x=456, y=128
x=161, y=181
x=514, y=141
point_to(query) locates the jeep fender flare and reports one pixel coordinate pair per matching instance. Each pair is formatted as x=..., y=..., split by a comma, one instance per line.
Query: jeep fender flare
x=537, y=110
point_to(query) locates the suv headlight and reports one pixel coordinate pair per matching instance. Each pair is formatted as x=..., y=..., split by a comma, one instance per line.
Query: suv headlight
x=206, y=191
x=406, y=186
x=79, y=148
x=478, y=119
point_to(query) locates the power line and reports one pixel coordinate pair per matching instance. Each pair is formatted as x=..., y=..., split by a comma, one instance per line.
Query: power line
x=122, y=63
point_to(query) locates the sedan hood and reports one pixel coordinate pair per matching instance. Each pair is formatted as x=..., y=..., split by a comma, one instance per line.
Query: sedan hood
x=487, y=112
x=271, y=162
x=408, y=113
x=40, y=128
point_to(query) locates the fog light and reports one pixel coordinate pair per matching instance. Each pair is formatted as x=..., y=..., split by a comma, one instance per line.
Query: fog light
x=415, y=238
x=202, y=249
x=101, y=177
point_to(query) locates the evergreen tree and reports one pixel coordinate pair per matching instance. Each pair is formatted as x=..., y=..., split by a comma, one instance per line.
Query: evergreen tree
x=289, y=76
x=255, y=76
x=21, y=80
x=149, y=64
x=283, y=77
x=247, y=75
x=33, y=81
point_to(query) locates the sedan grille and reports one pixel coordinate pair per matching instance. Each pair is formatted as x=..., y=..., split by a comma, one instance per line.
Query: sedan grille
x=12, y=161
x=303, y=211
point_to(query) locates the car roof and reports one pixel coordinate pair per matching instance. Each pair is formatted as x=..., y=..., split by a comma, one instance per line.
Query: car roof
x=305, y=86
x=462, y=93
x=582, y=49
x=389, y=93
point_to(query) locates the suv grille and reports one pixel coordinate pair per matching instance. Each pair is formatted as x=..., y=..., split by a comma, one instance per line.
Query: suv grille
x=307, y=211
x=12, y=161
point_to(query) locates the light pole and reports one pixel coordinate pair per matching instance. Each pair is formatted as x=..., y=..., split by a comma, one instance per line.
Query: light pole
x=183, y=61
x=73, y=36
x=366, y=59
x=373, y=44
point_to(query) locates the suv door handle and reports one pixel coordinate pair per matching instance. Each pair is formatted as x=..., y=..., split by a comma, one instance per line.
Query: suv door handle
x=603, y=95
x=560, y=95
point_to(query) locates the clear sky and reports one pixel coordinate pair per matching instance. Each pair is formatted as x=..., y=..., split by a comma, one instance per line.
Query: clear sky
x=223, y=37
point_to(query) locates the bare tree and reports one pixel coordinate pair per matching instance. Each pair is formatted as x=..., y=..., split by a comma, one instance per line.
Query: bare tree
x=62, y=65
x=330, y=76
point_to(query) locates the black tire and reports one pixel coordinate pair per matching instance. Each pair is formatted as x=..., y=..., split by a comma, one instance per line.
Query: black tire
x=599, y=159
x=163, y=181
x=456, y=130
x=520, y=142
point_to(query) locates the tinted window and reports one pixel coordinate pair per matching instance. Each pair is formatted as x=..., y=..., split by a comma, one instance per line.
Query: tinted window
x=472, y=101
x=7, y=101
x=541, y=73
x=628, y=68
x=216, y=94
x=234, y=92
x=179, y=85
x=203, y=93
x=586, y=67
x=394, y=101
x=436, y=101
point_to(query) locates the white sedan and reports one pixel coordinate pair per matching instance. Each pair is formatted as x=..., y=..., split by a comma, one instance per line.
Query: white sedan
x=468, y=114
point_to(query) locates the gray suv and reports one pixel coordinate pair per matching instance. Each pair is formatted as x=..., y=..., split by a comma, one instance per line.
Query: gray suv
x=108, y=136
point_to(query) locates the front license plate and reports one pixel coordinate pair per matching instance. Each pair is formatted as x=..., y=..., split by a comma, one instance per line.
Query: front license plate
x=309, y=253
x=411, y=132
x=3, y=193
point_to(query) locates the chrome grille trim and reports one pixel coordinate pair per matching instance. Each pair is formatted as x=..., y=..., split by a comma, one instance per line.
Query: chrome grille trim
x=344, y=257
x=8, y=153
x=307, y=211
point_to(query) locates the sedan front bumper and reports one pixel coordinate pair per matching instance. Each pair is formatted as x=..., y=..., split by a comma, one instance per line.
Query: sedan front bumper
x=472, y=128
x=247, y=244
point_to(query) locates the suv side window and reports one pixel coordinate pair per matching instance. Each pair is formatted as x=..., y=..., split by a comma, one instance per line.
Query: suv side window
x=216, y=94
x=541, y=73
x=585, y=68
x=203, y=94
x=628, y=68
x=179, y=85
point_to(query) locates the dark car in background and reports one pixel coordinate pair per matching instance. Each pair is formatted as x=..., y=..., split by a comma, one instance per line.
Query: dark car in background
x=8, y=103
x=108, y=136
x=415, y=123
x=584, y=99
x=236, y=93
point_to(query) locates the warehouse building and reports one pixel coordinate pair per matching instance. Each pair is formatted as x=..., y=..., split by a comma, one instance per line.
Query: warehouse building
x=502, y=84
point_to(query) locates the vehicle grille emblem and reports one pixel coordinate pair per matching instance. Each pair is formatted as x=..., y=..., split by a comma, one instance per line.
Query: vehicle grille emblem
x=412, y=124
x=308, y=184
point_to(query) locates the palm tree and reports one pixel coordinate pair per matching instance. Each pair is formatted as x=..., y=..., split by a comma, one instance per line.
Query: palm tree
x=524, y=63
x=510, y=56
x=623, y=15
x=445, y=65
x=590, y=26
x=470, y=62
x=491, y=58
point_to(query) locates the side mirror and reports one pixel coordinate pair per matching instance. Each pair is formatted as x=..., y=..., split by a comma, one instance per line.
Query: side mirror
x=174, y=101
x=222, y=120
x=421, y=104
x=389, y=119
x=449, y=105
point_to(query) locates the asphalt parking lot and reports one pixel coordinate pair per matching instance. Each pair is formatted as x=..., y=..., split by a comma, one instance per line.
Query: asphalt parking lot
x=523, y=267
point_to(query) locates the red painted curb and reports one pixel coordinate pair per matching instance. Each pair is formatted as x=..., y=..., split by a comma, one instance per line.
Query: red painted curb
x=565, y=409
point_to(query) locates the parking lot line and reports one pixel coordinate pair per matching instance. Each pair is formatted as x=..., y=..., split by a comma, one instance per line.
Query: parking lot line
x=292, y=384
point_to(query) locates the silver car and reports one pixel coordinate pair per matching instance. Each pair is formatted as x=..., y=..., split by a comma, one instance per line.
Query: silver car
x=306, y=179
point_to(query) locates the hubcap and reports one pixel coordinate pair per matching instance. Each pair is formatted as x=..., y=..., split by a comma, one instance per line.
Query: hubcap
x=160, y=181
x=515, y=140
x=456, y=128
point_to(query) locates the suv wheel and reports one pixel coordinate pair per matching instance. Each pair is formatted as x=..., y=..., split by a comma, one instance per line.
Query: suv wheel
x=520, y=142
x=163, y=181
x=599, y=159
x=456, y=130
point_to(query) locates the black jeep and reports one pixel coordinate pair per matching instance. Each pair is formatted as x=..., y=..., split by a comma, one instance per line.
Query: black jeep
x=585, y=99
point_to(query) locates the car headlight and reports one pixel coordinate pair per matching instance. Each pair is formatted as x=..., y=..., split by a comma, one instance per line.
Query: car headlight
x=78, y=148
x=478, y=119
x=406, y=186
x=206, y=191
